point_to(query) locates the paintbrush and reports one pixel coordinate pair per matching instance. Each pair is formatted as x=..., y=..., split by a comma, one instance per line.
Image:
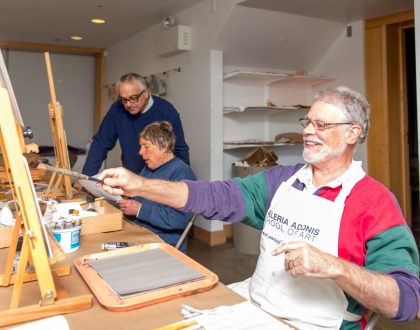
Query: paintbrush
x=37, y=164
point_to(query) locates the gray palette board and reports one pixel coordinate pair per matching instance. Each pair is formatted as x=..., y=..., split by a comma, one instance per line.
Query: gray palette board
x=143, y=271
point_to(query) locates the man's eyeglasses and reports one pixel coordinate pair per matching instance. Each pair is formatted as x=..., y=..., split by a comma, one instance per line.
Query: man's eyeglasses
x=319, y=125
x=132, y=98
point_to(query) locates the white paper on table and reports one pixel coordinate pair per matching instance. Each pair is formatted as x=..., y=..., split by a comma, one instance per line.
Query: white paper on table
x=62, y=210
x=97, y=191
x=241, y=316
x=85, y=214
x=50, y=323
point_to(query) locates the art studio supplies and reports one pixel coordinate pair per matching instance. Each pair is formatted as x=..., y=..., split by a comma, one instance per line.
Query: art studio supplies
x=115, y=245
x=69, y=239
x=66, y=230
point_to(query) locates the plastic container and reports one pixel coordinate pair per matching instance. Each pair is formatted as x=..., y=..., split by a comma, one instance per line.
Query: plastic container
x=69, y=238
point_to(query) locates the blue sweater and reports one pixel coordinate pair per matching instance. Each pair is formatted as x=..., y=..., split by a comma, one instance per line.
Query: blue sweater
x=119, y=124
x=165, y=221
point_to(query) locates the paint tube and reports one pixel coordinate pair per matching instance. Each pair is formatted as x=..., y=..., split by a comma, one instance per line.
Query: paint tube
x=115, y=245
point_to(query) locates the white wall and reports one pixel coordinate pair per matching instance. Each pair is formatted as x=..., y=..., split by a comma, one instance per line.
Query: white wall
x=344, y=61
x=74, y=87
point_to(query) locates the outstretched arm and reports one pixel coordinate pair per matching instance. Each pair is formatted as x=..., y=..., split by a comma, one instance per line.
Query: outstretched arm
x=120, y=181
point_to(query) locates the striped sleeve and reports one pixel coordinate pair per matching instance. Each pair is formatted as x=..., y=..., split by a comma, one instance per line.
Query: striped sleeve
x=254, y=192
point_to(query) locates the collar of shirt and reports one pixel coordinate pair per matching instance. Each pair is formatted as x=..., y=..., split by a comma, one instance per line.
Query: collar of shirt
x=305, y=177
x=149, y=104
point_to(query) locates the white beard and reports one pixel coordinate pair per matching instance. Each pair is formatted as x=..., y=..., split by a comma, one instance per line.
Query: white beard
x=326, y=153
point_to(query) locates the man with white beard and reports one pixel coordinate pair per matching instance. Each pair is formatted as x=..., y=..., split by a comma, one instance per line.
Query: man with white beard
x=334, y=242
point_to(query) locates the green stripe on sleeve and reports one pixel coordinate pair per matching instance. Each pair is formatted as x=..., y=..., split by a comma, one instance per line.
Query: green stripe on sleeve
x=254, y=192
x=397, y=242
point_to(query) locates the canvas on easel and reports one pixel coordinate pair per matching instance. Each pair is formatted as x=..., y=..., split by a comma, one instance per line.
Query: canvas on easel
x=39, y=249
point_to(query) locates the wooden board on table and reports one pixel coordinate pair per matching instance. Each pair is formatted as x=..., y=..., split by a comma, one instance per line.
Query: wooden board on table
x=111, y=300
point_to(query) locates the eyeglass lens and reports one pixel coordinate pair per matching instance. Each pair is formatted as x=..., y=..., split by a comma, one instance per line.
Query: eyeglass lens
x=132, y=98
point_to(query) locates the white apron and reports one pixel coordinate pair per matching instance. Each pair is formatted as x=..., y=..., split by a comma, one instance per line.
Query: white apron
x=298, y=216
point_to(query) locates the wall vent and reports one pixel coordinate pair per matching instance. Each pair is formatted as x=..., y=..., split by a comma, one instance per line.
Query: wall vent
x=174, y=40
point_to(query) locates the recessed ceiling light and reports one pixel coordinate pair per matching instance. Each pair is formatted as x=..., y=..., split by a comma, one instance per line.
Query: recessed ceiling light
x=76, y=38
x=98, y=21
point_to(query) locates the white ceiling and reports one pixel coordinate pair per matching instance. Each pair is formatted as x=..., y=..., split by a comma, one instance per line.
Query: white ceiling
x=273, y=40
x=293, y=34
x=272, y=33
x=334, y=10
x=54, y=21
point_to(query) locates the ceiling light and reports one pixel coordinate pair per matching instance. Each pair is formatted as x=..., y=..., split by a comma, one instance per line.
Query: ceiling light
x=98, y=21
x=76, y=38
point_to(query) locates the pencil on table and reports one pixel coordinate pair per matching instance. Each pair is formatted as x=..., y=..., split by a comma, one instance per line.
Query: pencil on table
x=178, y=325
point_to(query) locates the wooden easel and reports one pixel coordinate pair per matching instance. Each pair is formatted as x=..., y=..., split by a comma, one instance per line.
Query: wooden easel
x=59, y=184
x=37, y=248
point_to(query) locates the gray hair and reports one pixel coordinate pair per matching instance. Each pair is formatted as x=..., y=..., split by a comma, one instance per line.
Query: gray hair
x=160, y=134
x=354, y=106
x=132, y=77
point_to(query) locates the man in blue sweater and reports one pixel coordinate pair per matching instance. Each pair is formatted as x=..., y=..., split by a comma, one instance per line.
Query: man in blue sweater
x=135, y=109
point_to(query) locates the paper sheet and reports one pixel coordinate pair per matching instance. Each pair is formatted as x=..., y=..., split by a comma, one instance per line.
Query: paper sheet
x=242, y=316
x=97, y=191
x=62, y=209
x=50, y=323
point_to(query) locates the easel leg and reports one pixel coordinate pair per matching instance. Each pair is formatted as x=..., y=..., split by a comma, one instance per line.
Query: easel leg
x=17, y=289
x=12, y=252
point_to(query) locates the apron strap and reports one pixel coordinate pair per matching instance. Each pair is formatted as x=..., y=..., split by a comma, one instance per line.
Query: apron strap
x=356, y=176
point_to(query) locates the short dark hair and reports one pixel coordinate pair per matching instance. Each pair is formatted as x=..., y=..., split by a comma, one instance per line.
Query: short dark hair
x=160, y=134
x=130, y=77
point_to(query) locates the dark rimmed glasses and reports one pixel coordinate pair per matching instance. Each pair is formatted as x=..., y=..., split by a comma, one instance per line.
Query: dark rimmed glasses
x=319, y=125
x=132, y=98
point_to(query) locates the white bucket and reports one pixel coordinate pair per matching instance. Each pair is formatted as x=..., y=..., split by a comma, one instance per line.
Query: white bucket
x=69, y=238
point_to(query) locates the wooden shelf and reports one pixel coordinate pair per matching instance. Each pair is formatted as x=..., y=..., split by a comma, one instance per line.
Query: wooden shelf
x=269, y=77
x=272, y=78
x=302, y=81
x=242, y=145
x=248, y=109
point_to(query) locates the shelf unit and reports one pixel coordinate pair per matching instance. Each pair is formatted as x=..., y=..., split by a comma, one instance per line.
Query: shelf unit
x=260, y=105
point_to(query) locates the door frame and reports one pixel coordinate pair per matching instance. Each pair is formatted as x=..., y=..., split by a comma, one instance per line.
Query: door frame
x=387, y=143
